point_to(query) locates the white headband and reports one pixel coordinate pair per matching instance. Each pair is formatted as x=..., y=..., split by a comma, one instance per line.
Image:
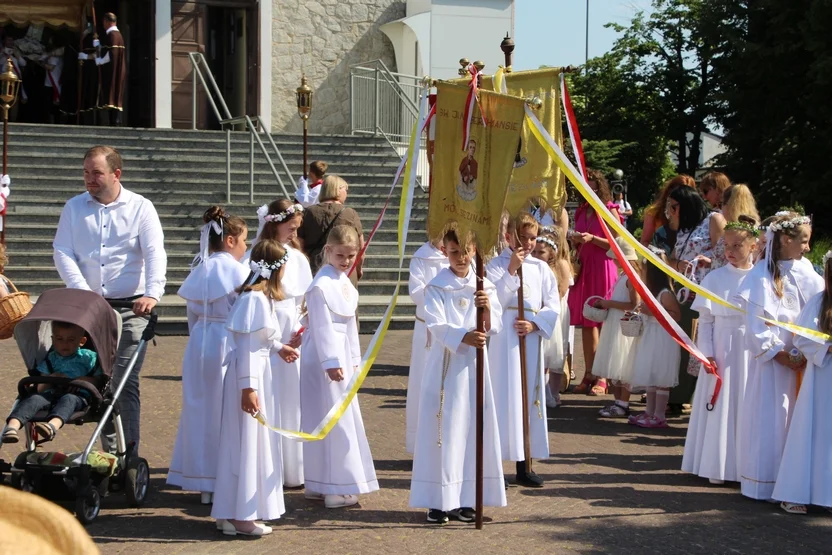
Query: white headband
x=263, y=216
x=263, y=269
x=789, y=224
x=548, y=242
x=826, y=257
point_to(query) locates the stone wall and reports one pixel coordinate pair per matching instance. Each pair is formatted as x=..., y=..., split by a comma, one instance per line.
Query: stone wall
x=323, y=38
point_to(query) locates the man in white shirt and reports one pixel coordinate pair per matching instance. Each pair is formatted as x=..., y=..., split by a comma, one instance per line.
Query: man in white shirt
x=109, y=240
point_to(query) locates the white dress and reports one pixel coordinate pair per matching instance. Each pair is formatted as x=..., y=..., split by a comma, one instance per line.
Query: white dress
x=250, y=474
x=612, y=359
x=711, y=445
x=424, y=266
x=554, y=348
x=296, y=279
x=542, y=303
x=655, y=356
x=806, y=469
x=770, y=389
x=210, y=293
x=341, y=463
x=444, y=463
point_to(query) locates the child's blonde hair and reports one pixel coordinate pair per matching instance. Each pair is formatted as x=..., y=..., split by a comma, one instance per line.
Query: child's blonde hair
x=341, y=235
x=792, y=232
x=269, y=252
x=525, y=219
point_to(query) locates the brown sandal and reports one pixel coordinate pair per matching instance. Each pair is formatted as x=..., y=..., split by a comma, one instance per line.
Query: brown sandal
x=46, y=432
x=10, y=435
x=583, y=387
x=600, y=388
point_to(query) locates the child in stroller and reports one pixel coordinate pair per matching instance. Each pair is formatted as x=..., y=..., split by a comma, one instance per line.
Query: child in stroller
x=67, y=359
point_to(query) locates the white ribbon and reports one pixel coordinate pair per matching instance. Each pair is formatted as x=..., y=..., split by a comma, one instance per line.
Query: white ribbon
x=204, y=241
x=262, y=212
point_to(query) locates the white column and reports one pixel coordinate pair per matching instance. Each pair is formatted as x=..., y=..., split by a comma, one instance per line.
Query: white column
x=164, y=70
x=265, y=22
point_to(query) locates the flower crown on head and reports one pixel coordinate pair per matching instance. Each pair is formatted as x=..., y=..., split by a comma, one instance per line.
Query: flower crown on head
x=826, y=257
x=285, y=214
x=264, y=269
x=774, y=227
x=548, y=242
x=754, y=231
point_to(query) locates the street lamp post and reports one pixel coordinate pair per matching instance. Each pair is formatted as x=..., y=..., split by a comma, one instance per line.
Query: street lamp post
x=304, y=97
x=9, y=86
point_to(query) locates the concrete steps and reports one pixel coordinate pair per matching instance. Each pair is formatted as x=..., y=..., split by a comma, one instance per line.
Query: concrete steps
x=183, y=172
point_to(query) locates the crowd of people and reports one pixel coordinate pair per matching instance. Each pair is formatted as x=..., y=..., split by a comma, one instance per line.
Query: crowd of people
x=67, y=78
x=274, y=339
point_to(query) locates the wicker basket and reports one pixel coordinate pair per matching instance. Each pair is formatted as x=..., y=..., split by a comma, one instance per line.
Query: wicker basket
x=592, y=313
x=631, y=326
x=13, y=308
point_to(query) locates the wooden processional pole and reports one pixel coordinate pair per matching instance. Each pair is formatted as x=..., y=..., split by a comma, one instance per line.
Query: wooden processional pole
x=507, y=46
x=480, y=392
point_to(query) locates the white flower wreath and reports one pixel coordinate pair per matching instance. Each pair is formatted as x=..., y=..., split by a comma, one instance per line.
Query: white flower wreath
x=789, y=224
x=548, y=242
x=281, y=216
x=263, y=269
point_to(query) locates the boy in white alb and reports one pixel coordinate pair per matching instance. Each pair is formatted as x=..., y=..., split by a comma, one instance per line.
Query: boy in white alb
x=444, y=463
x=424, y=266
x=541, y=301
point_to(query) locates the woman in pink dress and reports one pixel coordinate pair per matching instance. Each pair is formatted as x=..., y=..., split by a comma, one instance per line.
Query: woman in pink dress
x=596, y=276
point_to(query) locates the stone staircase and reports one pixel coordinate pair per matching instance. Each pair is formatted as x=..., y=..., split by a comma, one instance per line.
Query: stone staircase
x=182, y=173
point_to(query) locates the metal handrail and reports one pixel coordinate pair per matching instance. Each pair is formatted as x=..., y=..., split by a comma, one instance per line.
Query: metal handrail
x=390, y=143
x=390, y=77
x=197, y=59
x=227, y=122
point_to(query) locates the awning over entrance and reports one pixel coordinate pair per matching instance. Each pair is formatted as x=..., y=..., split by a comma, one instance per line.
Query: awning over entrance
x=54, y=13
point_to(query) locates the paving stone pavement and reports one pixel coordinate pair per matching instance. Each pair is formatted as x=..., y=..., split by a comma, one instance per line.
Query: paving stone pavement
x=610, y=488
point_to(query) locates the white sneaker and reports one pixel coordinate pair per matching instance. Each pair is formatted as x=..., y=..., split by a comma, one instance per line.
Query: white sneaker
x=206, y=498
x=338, y=501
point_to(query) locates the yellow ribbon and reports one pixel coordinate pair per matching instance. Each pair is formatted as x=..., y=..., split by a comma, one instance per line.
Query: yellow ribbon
x=336, y=412
x=578, y=181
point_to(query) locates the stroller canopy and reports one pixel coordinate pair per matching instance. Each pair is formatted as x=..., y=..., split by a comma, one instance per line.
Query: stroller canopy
x=83, y=308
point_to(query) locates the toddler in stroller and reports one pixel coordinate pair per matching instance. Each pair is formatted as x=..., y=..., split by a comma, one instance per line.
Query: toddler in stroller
x=68, y=384
x=67, y=359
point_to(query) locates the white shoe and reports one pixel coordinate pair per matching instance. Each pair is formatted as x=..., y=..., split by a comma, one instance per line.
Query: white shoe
x=206, y=498
x=551, y=401
x=259, y=530
x=220, y=523
x=716, y=482
x=338, y=501
x=312, y=496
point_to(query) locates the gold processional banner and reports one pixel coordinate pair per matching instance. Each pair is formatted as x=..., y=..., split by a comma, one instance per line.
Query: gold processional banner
x=469, y=186
x=535, y=175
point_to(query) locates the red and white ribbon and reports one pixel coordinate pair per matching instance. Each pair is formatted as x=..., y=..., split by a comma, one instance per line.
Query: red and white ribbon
x=470, y=104
x=572, y=125
x=656, y=309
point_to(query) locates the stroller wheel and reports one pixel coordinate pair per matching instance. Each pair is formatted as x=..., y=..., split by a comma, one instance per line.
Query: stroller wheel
x=22, y=482
x=138, y=481
x=87, y=506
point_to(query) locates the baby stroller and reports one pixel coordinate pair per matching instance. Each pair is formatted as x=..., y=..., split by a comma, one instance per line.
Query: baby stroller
x=85, y=477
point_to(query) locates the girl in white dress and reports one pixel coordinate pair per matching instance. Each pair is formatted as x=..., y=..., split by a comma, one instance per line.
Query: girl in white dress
x=711, y=448
x=805, y=477
x=613, y=360
x=249, y=483
x=424, y=266
x=655, y=355
x=340, y=467
x=777, y=288
x=210, y=291
x=279, y=221
x=552, y=249
x=444, y=464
